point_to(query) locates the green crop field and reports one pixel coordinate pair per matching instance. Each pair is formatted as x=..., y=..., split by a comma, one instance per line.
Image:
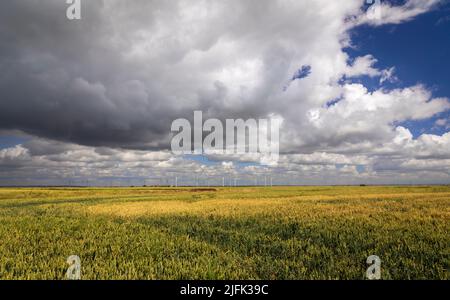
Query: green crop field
x=225, y=233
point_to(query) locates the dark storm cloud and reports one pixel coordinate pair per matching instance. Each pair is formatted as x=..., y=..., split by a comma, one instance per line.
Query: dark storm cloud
x=74, y=80
x=63, y=81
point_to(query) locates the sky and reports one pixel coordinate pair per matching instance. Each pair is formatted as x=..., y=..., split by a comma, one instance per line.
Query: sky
x=363, y=93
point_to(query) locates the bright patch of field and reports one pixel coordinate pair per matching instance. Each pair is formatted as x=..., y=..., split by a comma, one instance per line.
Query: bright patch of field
x=225, y=233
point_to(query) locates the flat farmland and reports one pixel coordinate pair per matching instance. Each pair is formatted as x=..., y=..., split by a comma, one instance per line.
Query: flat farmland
x=225, y=233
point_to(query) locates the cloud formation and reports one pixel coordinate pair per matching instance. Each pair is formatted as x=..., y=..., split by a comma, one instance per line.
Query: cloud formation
x=99, y=95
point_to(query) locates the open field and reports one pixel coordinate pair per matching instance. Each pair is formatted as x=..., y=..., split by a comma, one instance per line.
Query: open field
x=225, y=233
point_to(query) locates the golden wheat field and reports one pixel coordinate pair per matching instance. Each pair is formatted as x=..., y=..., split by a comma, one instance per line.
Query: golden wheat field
x=225, y=233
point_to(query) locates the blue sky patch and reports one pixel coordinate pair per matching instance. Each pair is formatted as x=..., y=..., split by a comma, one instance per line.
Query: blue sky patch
x=11, y=141
x=303, y=72
x=418, y=59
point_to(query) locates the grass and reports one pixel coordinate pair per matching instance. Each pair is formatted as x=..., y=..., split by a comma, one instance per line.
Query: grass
x=225, y=233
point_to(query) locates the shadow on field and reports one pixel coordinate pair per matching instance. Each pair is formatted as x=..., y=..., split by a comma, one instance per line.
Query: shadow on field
x=252, y=236
x=320, y=248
